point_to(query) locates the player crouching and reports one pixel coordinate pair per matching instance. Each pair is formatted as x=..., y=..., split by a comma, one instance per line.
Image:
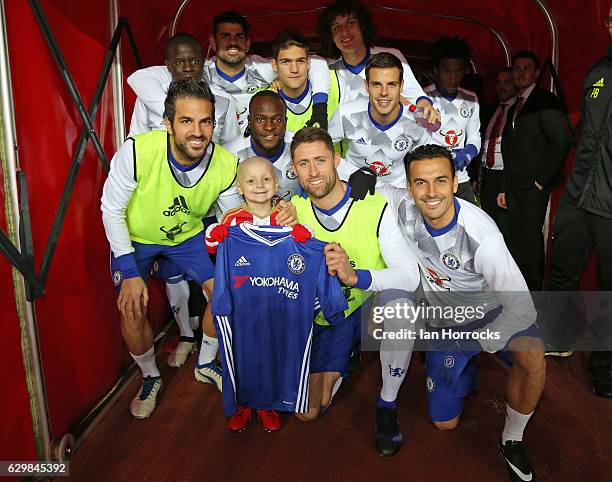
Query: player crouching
x=465, y=263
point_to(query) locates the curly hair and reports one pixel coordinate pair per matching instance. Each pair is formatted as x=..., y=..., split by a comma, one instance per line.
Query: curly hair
x=450, y=48
x=344, y=8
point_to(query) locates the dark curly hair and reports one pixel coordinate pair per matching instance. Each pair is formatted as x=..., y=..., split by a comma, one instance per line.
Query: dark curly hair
x=344, y=8
x=450, y=48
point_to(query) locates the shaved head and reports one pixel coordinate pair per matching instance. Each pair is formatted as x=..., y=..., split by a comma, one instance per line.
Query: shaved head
x=255, y=164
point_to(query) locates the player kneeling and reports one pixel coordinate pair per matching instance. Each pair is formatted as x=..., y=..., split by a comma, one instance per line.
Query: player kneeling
x=475, y=299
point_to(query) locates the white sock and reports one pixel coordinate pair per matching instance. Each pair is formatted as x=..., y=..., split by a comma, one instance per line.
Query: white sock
x=394, y=366
x=515, y=425
x=178, y=296
x=208, y=349
x=146, y=363
x=395, y=354
x=335, y=388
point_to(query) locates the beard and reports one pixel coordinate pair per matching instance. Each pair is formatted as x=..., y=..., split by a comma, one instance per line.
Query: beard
x=322, y=191
x=188, y=153
x=232, y=61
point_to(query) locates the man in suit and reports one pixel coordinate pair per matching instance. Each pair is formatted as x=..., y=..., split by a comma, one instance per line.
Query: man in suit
x=491, y=158
x=534, y=144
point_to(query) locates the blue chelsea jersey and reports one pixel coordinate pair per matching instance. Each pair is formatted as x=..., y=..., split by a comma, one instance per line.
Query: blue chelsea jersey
x=268, y=289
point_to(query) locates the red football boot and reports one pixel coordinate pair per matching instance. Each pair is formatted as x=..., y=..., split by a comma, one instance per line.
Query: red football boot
x=240, y=419
x=270, y=420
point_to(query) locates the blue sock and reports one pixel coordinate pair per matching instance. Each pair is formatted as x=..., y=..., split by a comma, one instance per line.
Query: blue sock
x=380, y=403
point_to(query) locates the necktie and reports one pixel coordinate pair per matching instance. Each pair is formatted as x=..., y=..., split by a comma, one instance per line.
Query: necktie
x=495, y=133
x=519, y=105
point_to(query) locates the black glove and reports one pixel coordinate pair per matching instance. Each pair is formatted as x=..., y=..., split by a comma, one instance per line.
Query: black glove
x=362, y=181
x=319, y=116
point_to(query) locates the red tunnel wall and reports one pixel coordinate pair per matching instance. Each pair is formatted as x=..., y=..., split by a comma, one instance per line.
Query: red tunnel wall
x=81, y=346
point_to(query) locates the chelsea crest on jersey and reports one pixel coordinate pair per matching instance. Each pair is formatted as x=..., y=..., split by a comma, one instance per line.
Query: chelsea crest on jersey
x=380, y=147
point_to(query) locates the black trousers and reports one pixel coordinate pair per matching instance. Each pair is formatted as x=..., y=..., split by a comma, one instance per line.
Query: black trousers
x=490, y=187
x=576, y=233
x=465, y=192
x=526, y=213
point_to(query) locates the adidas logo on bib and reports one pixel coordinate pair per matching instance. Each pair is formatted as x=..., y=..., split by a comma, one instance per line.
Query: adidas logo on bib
x=242, y=261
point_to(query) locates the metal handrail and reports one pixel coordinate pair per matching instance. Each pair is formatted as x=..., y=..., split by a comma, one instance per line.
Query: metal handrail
x=24, y=309
x=69, y=81
x=554, y=34
x=35, y=283
x=498, y=35
x=20, y=252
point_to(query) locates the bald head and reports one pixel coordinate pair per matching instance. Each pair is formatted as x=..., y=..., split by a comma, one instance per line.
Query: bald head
x=182, y=39
x=256, y=180
x=257, y=165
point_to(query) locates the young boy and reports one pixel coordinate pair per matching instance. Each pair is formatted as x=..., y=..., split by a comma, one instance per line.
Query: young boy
x=257, y=182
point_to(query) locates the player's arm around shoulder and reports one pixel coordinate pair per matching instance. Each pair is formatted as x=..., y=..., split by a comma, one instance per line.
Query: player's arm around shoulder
x=393, y=195
x=148, y=85
x=402, y=270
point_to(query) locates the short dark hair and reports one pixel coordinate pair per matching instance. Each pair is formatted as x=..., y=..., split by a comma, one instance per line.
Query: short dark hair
x=308, y=135
x=384, y=60
x=288, y=38
x=230, y=17
x=344, y=8
x=527, y=54
x=428, y=151
x=187, y=89
x=180, y=39
x=450, y=48
x=267, y=93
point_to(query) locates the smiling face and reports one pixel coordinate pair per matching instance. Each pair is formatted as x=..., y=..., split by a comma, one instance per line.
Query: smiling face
x=267, y=122
x=524, y=73
x=231, y=44
x=315, y=166
x=292, y=68
x=346, y=34
x=256, y=180
x=432, y=184
x=384, y=87
x=191, y=130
